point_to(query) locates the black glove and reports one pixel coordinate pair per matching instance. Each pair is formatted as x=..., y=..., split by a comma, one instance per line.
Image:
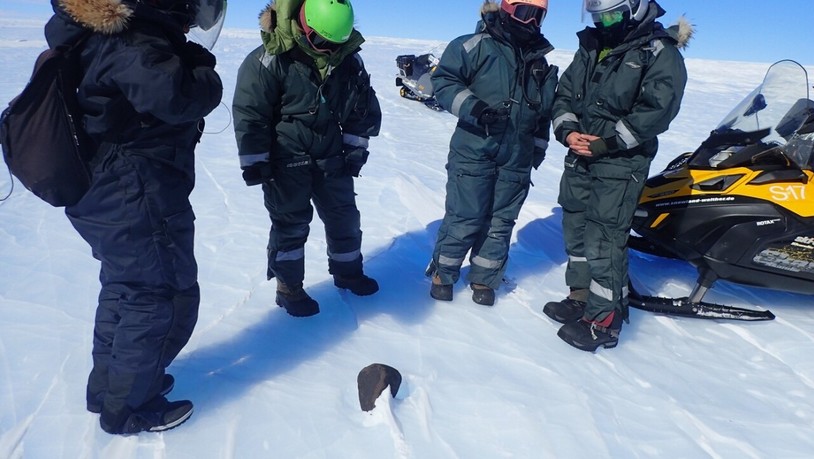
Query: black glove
x=257, y=173
x=603, y=146
x=355, y=158
x=196, y=55
x=493, y=115
x=539, y=156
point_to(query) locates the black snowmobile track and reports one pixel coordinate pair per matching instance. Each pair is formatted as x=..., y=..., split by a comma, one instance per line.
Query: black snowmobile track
x=702, y=310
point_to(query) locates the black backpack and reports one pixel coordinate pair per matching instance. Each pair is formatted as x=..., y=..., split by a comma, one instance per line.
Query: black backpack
x=43, y=142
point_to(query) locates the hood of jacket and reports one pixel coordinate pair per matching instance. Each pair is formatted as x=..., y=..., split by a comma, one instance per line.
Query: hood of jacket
x=101, y=16
x=281, y=32
x=74, y=18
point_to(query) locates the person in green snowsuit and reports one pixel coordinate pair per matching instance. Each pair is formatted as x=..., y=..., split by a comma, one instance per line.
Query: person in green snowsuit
x=304, y=111
x=500, y=86
x=622, y=89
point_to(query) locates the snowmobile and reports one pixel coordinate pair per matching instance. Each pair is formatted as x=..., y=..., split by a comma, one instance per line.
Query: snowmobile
x=739, y=207
x=414, y=76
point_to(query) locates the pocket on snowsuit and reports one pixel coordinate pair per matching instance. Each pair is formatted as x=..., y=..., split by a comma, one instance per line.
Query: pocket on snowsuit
x=615, y=193
x=469, y=192
x=511, y=190
x=174, y=243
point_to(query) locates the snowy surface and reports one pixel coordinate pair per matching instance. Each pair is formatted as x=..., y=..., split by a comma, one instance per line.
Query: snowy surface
x=478, y=382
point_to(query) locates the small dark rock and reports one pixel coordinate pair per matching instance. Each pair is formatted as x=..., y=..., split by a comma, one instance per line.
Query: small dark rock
x=372, y=381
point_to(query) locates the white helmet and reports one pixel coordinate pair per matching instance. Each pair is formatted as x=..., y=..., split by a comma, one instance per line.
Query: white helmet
x=596, y=8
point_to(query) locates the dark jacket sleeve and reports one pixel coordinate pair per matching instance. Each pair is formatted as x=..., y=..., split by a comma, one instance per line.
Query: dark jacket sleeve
x=564, y=120
x=365, y=119
x=253, y=107
x=659, y=101
x=449, y=81
x=154, y=79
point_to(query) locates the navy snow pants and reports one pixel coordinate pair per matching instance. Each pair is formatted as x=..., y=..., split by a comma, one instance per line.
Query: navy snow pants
x=139, y=223
x=288, y=200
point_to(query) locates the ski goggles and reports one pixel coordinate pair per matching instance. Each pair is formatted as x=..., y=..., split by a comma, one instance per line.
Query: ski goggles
x=317, y=42
x=525, y=13
x=609, y=18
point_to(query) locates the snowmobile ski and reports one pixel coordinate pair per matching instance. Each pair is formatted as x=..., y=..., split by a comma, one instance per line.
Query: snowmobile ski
x=685, y=308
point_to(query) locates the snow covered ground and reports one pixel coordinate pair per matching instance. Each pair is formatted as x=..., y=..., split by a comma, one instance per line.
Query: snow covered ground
x=478, y=382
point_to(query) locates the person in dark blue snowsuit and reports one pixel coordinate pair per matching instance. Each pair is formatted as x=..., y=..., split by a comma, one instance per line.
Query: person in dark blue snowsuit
x=500, y=86
x=144, y=92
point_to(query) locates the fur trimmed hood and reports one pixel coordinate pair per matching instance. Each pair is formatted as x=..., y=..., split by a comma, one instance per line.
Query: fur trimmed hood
x=682, y=31
x=103, y=16
x=268, y=18
x=489, y=6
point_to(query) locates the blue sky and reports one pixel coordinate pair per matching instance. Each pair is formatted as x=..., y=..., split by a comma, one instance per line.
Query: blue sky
x=739, y=30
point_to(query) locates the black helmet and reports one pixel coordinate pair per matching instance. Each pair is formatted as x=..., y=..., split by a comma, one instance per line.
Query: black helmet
x=204, y=14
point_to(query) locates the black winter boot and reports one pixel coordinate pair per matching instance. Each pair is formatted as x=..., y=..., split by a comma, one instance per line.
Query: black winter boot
x=569, y=309
x=565, y=311
x=482, y=294
x=439, y=291
x=588, y=335
x=94, y=404
x=296, y=301
x=157, y=415
x=360, y=285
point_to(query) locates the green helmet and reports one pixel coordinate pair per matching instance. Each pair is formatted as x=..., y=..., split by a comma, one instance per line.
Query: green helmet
x=331, y=19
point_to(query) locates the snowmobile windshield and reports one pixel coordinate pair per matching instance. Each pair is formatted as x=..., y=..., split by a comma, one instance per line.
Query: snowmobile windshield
x=779, y=103
x=800, y=148
x=767, y=119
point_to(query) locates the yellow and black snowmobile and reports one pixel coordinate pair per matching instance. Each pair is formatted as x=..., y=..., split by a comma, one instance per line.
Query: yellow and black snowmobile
x=741, y=206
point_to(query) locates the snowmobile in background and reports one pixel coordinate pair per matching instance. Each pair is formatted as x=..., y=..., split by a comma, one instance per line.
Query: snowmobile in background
x=741, y=206
x=413, y=78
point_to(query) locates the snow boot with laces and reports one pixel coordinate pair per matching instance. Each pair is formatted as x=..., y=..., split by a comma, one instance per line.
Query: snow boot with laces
x=588, y=335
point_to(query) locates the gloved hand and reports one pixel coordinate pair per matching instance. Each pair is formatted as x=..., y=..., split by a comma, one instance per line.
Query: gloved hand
x=539, y=156
x=198, y=56
x=355, y=158
x=493, y=115
x=257, y=173
x=603, y=146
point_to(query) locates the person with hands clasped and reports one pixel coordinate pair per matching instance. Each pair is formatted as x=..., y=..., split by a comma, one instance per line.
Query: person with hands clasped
x=304, y=111
x=144, y=93
x=500, y=86
x=622, y=89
